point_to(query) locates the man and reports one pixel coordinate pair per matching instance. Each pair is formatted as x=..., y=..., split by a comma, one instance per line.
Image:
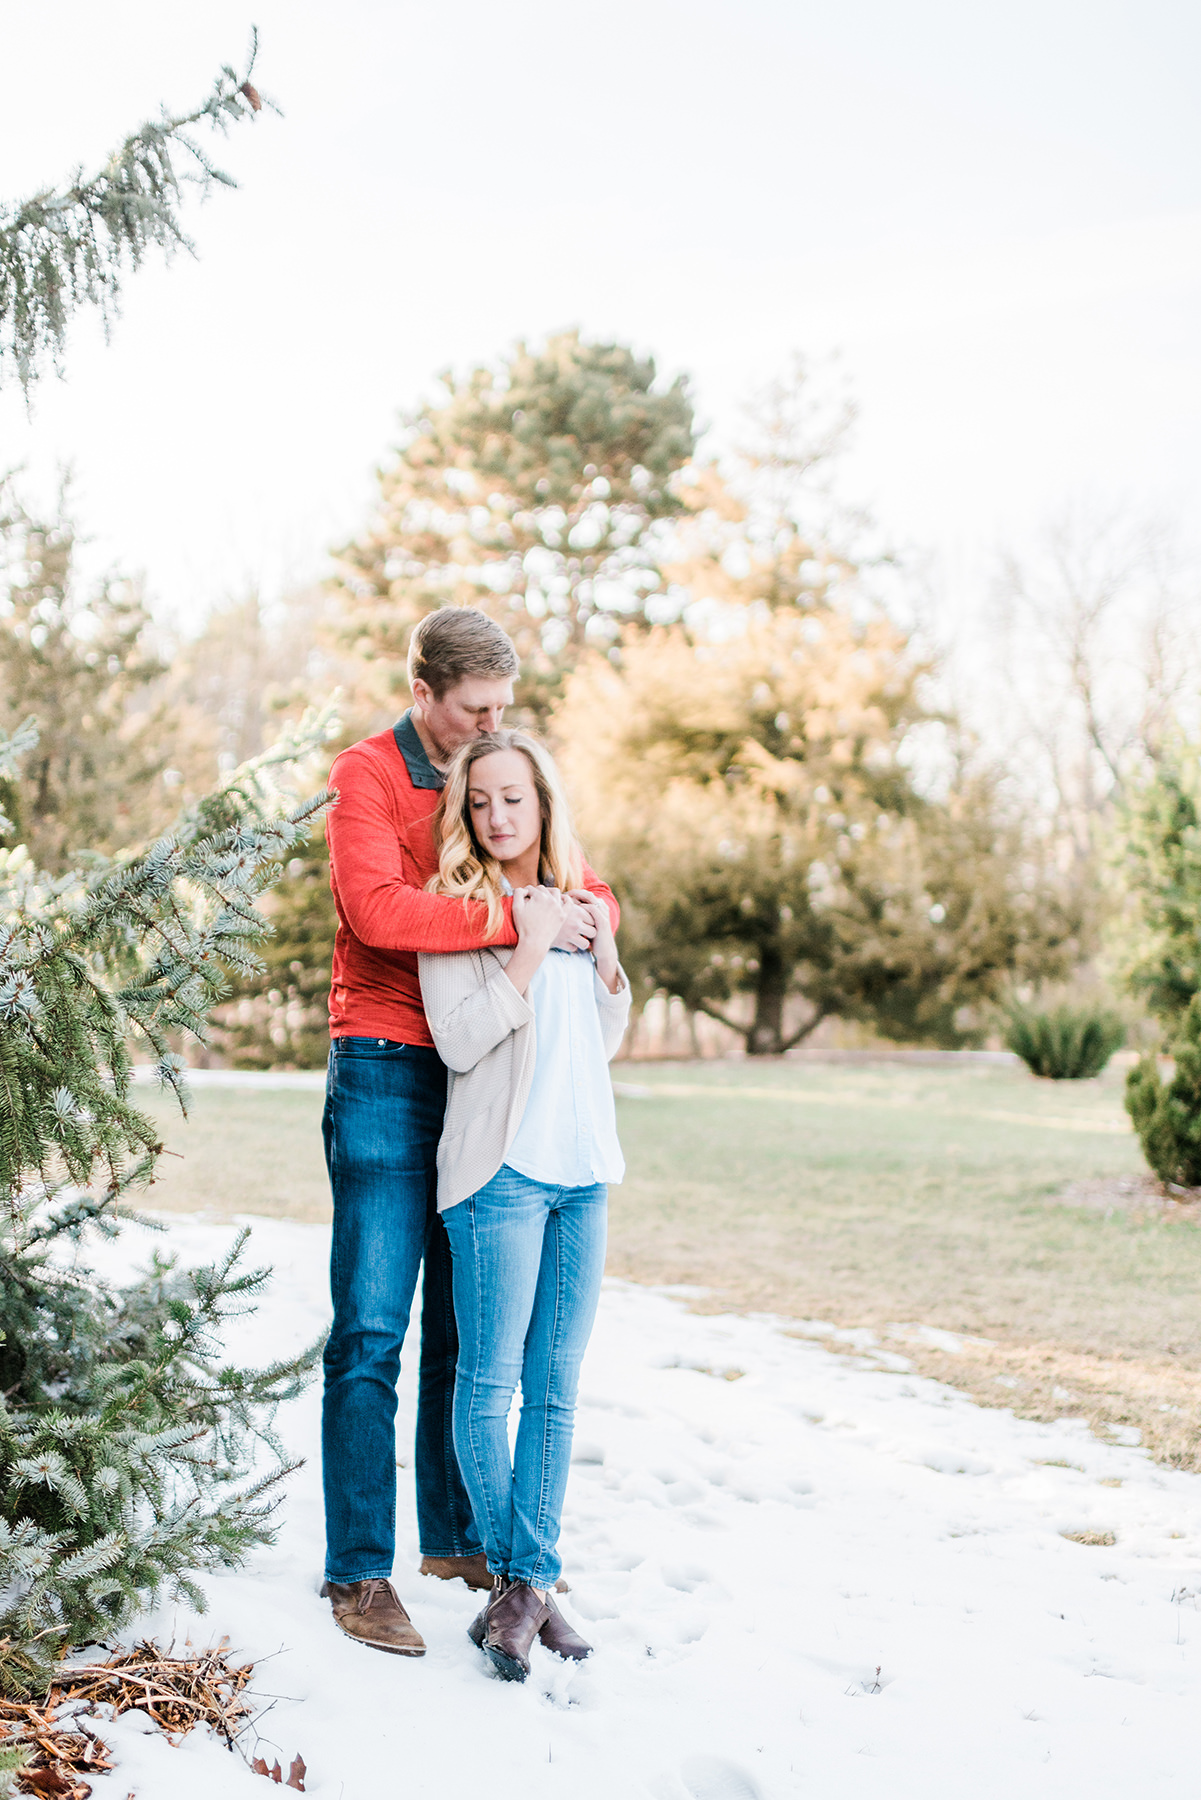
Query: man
x=385, y=1097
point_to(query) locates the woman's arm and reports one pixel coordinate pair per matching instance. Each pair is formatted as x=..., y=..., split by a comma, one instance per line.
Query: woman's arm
x=467, y=1015
x=613, y=1010
x=604, y=944
x=612, y=985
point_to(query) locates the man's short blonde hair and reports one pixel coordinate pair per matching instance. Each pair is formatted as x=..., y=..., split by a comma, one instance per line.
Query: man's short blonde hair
x=457, y=641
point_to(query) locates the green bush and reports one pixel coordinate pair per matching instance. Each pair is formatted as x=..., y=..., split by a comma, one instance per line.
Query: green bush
x=1167, y=1115
x=1064, y=1043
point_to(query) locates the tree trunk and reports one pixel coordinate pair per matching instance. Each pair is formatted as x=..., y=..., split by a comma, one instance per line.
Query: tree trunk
x=766, y=1036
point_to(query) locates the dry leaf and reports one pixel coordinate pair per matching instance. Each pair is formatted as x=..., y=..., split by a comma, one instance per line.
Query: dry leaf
x=48, y=1783
x=297, y=1773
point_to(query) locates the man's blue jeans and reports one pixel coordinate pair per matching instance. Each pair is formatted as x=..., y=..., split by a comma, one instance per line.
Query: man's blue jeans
x=383, y=1117
x=528, y=1261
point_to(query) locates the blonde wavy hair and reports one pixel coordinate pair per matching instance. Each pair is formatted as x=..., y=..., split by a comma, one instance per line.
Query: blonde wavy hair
x=465, y=868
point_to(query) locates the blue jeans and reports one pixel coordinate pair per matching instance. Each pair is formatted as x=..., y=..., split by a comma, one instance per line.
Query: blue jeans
x=383, y=1117
x=528, y=1261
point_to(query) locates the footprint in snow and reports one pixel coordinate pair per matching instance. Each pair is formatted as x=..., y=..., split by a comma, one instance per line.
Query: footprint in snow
x=687, y=1577
x=712, y=1778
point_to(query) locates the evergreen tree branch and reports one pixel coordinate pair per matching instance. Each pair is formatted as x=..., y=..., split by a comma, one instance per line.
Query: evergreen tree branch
x=59, y=251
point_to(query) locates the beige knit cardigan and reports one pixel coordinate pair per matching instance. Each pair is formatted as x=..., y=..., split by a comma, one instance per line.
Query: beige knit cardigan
x=484, y=1032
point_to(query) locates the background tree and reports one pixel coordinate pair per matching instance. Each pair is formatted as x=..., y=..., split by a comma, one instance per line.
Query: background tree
x=228, y=692
x=77, y=661
x=751, y=799
x=60, y=250
x=537, y=490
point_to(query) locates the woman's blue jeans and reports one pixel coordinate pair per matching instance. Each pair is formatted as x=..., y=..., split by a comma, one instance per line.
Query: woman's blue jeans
x=383, y=1117
x=528, y=1261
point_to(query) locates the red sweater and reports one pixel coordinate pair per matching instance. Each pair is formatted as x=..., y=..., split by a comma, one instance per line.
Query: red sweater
x=381, y=854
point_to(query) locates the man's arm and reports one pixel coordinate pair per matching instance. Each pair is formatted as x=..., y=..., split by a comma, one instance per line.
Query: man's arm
x=383, y=908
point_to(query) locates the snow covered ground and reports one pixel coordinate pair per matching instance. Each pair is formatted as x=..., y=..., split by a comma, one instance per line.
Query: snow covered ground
x=802, y=1575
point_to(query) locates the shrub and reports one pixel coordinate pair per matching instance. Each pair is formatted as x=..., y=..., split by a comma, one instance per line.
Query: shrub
x=1167, y=1115
x=1064, y=1043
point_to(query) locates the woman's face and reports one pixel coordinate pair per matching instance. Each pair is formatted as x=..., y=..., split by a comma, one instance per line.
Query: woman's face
x=502, y=804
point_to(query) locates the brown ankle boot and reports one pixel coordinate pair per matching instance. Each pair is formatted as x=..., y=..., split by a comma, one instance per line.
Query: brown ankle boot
x=478, y=1628
x=560, y=1637
x=514, y=1619
x=471, y=1569
x=370, y=1613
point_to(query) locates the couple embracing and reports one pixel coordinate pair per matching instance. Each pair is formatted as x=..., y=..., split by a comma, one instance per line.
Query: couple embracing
x=469, y=1125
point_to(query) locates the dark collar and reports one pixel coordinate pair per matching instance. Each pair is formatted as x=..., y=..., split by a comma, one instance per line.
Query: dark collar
x=422, y=772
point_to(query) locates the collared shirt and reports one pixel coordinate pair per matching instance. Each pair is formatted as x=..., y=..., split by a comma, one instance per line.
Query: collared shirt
x=568, y=1131
x=422, y=772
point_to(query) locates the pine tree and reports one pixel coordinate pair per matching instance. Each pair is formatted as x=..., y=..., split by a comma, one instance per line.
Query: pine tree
x=1161, y=865
x=538, y=491
x=1162, y=869
x=125, y=1444
x=59, y=251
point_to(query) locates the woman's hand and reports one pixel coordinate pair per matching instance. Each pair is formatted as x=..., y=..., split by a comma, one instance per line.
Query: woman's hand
x=537, y=920
x=537, y=916
x=604, y=944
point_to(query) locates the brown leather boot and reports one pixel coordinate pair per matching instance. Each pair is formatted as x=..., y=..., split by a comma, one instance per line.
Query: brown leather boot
x=478, y=1628
x=514, y=1619
x=560, y=1637
x=471, y=1569
x=370, y=1613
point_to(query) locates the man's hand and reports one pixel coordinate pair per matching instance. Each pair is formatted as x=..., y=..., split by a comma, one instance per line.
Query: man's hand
x=579, y=924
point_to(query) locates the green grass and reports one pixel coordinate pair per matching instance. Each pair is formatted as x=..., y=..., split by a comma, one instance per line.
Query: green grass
x=883, y=1193
x=863, y=1195
x=241, y=1151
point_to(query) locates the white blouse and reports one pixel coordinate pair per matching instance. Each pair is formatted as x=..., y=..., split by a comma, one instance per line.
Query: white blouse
x=568, y=1132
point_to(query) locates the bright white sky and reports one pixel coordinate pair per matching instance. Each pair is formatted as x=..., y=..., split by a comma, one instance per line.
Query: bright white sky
x=992, y=208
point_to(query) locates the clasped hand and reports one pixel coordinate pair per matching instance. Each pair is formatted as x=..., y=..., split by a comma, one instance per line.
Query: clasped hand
x=550, y=920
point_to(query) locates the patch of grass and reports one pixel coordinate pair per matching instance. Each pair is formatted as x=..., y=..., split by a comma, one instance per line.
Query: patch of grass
x=241, y=1151
x=874, y=1196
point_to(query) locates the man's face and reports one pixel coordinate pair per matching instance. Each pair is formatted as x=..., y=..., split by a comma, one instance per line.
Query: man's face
x=476, y=704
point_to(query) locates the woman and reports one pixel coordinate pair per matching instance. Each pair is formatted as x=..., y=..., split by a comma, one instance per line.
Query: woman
x=527, y=1149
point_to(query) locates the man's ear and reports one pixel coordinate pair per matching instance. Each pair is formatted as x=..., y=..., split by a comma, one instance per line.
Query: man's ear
x=422, y=693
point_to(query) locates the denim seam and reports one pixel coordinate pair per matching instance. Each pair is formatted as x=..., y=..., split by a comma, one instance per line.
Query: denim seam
x=450, y=1461
x=552, y=1225
x=471, y=1415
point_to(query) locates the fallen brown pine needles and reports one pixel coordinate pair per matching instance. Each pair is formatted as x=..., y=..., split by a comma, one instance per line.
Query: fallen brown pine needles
x=176, y=1692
